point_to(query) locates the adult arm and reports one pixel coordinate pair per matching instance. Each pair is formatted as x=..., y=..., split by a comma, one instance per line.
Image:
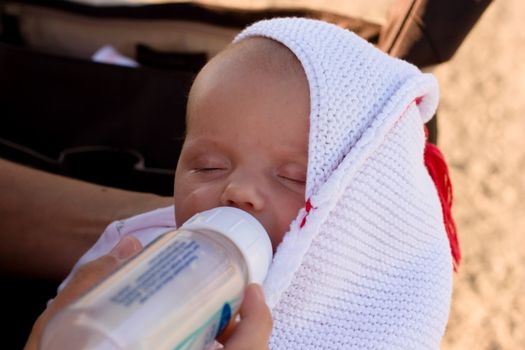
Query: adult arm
x=48, y=221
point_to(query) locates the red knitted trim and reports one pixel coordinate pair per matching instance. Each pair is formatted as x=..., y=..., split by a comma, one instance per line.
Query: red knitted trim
x=307, y=207
x=438, y=170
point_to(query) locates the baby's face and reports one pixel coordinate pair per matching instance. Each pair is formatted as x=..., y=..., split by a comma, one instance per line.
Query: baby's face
x=246, y=144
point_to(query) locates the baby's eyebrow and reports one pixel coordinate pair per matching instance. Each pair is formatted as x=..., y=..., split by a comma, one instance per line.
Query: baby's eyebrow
x=299, y=156
x=201, y=141
x=294, y=169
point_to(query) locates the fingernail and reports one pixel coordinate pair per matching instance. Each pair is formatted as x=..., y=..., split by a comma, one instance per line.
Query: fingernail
x=127, y=247
x=257, y=291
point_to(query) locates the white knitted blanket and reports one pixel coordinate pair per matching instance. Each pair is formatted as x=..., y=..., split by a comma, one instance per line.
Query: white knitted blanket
x=371, y=268
x=366, y=264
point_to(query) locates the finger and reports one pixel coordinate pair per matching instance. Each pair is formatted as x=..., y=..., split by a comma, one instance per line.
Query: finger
x=93, y=272
x=255, y=327
x=86, y=277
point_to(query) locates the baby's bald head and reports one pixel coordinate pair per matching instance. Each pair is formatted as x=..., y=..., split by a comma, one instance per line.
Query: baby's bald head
x=263, y=54
x=256, y=55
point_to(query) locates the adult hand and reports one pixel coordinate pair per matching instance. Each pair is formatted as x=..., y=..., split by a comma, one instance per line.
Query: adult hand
x=255, y=327
x=86, y=276
x=252, y=332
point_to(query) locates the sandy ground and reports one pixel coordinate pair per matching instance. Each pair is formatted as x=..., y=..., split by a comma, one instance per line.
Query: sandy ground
x=482, y=127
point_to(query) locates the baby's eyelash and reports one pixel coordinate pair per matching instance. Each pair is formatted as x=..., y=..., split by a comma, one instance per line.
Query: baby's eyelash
x=206, y=170
x=301, y=182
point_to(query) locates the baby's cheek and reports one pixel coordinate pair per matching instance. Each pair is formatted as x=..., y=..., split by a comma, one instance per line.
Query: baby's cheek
x=193, y=201
x=286, y=209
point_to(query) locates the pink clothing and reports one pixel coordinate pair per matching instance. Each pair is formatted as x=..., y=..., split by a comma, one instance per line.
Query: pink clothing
x=146, y=227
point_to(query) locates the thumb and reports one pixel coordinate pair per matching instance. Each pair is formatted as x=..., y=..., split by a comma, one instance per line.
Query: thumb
x=255, y=327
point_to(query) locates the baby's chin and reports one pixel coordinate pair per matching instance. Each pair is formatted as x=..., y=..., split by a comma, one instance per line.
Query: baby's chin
x=276, y=238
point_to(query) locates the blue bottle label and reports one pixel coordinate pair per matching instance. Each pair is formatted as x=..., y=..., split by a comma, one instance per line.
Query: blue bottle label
x=203, y=336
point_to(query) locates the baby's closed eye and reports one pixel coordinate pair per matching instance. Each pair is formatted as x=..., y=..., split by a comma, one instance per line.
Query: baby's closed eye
x=299, y=180
x=294, y=173
x=207, y=170
x=209, y=164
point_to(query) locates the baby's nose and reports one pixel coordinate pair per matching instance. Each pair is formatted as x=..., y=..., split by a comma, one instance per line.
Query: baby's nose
x=243, y=194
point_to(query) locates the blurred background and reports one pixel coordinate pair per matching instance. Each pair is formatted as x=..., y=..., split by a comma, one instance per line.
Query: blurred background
x=482, y=128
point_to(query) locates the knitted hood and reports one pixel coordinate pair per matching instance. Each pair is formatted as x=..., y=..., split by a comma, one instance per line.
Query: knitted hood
x=366, y=263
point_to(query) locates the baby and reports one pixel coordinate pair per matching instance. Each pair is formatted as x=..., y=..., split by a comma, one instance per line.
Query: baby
x=320, y=136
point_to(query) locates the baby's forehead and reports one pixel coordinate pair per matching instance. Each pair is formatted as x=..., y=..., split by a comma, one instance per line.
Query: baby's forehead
x=252, y=61
x=253, y=70
x=263, y=54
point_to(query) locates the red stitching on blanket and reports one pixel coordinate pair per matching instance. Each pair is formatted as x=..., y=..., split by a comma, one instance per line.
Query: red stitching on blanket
x=307, y=207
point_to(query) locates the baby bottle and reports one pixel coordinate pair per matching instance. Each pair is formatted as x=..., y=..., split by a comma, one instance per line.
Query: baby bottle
x=178, y=293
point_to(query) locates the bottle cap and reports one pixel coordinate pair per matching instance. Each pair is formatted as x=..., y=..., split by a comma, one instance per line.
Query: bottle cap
x=245, y=231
